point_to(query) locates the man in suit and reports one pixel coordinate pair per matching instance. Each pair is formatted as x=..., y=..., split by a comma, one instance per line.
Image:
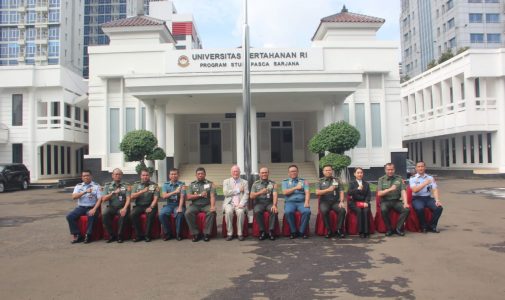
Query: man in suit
x=236, y=194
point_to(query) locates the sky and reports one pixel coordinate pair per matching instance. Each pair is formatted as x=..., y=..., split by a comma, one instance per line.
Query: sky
x=279, y=23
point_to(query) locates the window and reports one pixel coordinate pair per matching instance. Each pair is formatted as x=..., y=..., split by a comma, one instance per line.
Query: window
x=346, y=112
x=55, y=159
x=143, y=118
x=489, y=149
x=474, y=1
x=130, y=119
x=41, y=160
x=477, y=88
x=375, y=111
x=472, y=152
x=421, y=150
x=450, y=4
x=17, y=153
x=462, y=91
x=48, y=159
x=17, y=110
x=450, y=23
x=479, y=141
x=475, y=18
x=77, y=113
x=416, y=150
x=492, y=18
x=360, y=123
x=453, y=147
x=434, y=151
x=62, y=159
x=493, y=38
x=476, y=38
x=492, y=1
x=464, y=150
x=68, y=161
x=452, y=43
x=114, y=130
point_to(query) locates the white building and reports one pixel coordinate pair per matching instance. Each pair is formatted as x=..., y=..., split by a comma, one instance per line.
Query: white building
x=429, y=28
x=191, y=99
x=454, y=113
x=43, y=112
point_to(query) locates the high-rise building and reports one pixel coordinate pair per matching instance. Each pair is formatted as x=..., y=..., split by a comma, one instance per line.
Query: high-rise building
x=98, y=12
x=41, y=32
x=430, y=28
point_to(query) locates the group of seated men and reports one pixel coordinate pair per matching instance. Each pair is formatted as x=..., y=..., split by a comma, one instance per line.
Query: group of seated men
x=201, y=193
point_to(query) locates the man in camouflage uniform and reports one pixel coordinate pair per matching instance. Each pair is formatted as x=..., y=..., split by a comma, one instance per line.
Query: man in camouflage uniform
x=391, y=189
x=264, y=192
x=145, y=194
x=331, y=197
x=117, y=196
x=202, y=193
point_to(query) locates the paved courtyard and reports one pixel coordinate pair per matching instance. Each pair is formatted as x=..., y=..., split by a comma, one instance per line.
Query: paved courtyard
x=465, y=261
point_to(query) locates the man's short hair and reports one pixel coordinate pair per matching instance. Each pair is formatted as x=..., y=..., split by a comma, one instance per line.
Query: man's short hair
x=421, y=162
x=200, y=169
x=174, y=170
x=293, y=166
x=328, y=165
x=86, y=171
x=389, y=164
x=118, y=170
x=144, y=170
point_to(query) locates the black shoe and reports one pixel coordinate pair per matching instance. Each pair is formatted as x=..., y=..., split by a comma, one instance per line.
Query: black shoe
x=147, y=239
x=167, y=237
x=241, y=238
x=389, y=233
x=229, y=238
x=206, y=238
x=112, y=238
x=424, y=230
x=87, y=239
x=196, y=238
x=138, y=239
x=77, y=239
x=271, y=236
x=434, y=230
x=120, y=240
x=262, y=236
x=367, y=235
x=362, y=235
x=340, y=234
x=304, y=236
x=293, y=236
x=329, y=234
x=399, y=232
x=178, y=237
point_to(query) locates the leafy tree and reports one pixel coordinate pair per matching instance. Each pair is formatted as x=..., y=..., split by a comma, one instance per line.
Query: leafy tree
x=141, y=145
x=445, y=56
x=335, y=138
x=431, y=64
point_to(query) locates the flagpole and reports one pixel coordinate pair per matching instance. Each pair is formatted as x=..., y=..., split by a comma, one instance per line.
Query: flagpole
x=246, y=97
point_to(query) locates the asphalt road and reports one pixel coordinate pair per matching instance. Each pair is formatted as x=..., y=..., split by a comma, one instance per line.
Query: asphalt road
x=465, y=261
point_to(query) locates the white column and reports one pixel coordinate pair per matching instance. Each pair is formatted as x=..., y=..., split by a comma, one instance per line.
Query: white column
x=328, y=114
x=254, y=141
x=33, y=148
x=500, y=136
x=240, y=137
x=161, y=136
x=150, y=118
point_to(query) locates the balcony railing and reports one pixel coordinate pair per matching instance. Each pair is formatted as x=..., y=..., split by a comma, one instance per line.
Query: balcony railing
x=61, y=122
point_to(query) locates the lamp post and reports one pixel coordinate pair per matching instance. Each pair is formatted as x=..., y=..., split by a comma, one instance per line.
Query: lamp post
x=246, y=97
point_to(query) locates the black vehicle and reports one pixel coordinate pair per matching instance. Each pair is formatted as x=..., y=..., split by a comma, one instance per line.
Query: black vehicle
x=14, y=176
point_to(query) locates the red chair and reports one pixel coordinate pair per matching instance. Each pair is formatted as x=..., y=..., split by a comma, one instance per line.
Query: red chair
x=412, y=223
x=127, y=230
x=320, y=228
x=184, y=226
x=379, y=222
x=245, y=227
x=155, y=229
x=97, y=226
x=266, y=218
x=200, y=222
x=298, y=218
x=351, y=222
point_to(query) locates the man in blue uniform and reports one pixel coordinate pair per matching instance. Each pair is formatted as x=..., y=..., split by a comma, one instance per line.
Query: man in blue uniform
x=297, y=196
x=88, y=197
x=174, y=193
x=425, y=194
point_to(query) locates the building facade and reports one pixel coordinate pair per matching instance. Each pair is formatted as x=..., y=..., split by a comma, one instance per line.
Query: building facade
x=191, y=99
x=430, y=28
x=43, y=107
x=453, y=114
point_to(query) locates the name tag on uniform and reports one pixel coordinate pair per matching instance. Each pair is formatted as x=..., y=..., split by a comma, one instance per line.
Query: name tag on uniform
x=206, y=186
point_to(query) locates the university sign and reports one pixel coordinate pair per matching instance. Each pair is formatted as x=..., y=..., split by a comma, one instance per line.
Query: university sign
x=229, y=60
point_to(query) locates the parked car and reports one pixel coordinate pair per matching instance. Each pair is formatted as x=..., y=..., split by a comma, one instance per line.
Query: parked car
x=14, y=176
x=411, y=168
